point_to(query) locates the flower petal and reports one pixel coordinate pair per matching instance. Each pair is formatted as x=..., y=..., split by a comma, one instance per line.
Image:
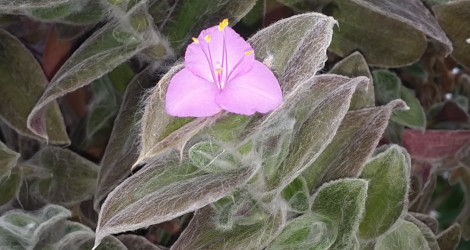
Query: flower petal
x=191, y=96
x=256, y=91
x=225, y=49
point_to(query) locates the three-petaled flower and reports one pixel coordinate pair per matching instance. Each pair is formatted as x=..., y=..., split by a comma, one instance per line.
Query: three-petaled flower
x=221, y=73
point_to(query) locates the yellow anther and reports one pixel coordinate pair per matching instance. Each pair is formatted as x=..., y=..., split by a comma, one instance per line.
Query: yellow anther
x=223, y=24
x=207, y=38
x=218, y=71
x=249, y=52
x=195, y=40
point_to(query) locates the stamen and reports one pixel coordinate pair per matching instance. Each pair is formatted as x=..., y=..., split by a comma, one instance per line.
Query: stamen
x=249, y=52
x=207, y=38
x=223, y=24
x=195, y=40
x=218, y=71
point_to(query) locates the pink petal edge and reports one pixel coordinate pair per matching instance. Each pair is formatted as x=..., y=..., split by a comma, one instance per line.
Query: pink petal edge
x=191, y=96
x=256, y=91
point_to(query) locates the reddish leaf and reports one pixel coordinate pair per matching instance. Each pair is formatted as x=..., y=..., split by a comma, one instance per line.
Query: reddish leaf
x=434, y=144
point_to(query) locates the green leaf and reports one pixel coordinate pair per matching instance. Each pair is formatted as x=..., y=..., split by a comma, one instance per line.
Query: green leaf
x=10, y=186
x=71, y=178
x=210, y=156
x=90, y=12
x=309, y=231
x=102, y=109
x=21, y=85
x=385, y=39
x=426, y=231
x=122, y=149
x=449, y=238
x=388, y=173
x=413, y=117
x=343, y=203
x=352, y=66
x=48, y=13
x=104, y=50
x=7, y=5
x=387, y=86
x=202, y=233
x=83, y=240
x=8, y=160
x=156, y=124
x=294, y=48
x=305, y=5
x=453, y=18
x=133, y=241
x=297, y=194
x=318, y=108
x=406, y=236
x=342, y=157
x=27, y=230
x=168, y=188
x=191, y=17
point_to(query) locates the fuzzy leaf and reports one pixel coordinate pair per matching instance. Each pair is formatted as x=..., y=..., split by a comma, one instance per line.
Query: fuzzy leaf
x=136, y=242
x=102, y=109
x=71, y=178
x=309, y=231
x=24, y=230
x=428, y=220
x=168, y=188
x=352, y=66
x=387, y=86
x=414, y=117
x=342, y=202
x=434, y=144
x=426, y=231
x=360, y=127
x=294, y=48
x=388, y=173
x=401, y=43
x=104, y=50
x=322, y=104
x=156, y=124
x=449, y=238
x=453, y=18
x=21, y=85
x=8, y=5
x=201, y=232
x=10, y=186
x=462, y=175
x=83, y=240
x=122, y=149
x=297, y=194
x=193, y=16
x=8, y=160
x=406, y=236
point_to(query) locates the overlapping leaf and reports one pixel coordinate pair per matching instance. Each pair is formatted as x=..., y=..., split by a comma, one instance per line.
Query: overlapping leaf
x=170, y=187
x=406, y=236
x=453, y=18
x=342, y=157
x=382, y=38
x=71, y=178
x=122, y=149
x=21, y=86
x=107, y=48
x=388, y=173
x=352, y=66
x=255, y=233
x=343, y=202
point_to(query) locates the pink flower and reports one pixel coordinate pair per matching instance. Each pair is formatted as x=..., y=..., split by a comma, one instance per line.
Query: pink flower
x=221, y=74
